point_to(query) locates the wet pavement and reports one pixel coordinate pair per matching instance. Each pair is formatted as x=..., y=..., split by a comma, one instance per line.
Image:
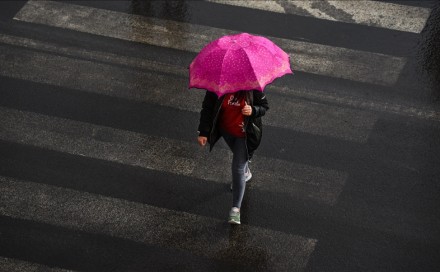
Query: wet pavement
x=100, y=169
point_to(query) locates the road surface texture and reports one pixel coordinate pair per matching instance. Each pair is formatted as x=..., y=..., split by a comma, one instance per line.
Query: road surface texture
x=100, y=169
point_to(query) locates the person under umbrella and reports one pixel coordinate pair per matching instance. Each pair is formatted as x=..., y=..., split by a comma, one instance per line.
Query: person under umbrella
x=234, y=70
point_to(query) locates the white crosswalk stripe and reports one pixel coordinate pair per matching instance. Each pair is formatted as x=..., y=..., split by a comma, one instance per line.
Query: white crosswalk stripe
x=162, y=154
x=370, y=13
x=312, y=58
x=303, y=115
x=15, y=265
x=147, y=224
x=420, y=111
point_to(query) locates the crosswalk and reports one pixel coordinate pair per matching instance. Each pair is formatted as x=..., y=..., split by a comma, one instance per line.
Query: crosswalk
x=130, y=148
x=113, y=108
x=309, y=57
x=170, y=91
x=143, y=223
x=371, y=13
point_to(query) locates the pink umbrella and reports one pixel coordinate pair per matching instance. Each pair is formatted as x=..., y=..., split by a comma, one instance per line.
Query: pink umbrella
x=238, y=62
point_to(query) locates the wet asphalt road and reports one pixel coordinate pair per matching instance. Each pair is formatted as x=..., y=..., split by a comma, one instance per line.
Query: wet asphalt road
x=100, y=171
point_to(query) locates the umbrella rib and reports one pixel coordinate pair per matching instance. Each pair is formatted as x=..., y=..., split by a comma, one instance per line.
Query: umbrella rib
x=253, y=70
x=221, y=71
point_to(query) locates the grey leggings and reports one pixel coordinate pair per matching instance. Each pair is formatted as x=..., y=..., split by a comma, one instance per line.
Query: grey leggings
x=239, y=167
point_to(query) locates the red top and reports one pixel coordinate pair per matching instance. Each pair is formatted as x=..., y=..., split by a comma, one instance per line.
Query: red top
x=231, y=119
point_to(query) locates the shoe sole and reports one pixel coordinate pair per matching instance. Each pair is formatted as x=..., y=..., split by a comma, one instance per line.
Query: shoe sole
x=234, y=222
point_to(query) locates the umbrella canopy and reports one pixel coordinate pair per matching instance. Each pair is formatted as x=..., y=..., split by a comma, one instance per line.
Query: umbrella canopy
x=238, y=62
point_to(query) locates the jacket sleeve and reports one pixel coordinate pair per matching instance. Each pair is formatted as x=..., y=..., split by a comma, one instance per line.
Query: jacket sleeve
x=260, y=105
x=206, y=114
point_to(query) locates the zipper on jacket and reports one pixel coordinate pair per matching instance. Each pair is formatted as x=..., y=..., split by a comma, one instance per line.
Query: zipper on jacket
x=251, y=103
x=245, y=139
x=214, y=121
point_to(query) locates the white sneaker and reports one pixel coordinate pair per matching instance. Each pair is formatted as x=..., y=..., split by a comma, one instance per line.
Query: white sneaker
x=247, y=176
x=234, y=216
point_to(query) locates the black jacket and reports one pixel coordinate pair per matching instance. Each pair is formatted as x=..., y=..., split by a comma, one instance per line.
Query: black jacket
x=210, y=112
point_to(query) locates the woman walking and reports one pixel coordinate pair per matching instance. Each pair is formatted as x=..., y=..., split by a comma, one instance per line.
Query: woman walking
x=234, y=70
x=237, y=118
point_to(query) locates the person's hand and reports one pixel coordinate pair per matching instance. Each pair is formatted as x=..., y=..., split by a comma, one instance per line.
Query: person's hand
x=202, y=140
x=247, y=110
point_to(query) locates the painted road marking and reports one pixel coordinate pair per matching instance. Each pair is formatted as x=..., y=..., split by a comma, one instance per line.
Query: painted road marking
x=168, y=90
x=15, y=265
x=419, y=111
x=370, y=13
x=300, y=181
x=150, y=225
x=308, y=57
